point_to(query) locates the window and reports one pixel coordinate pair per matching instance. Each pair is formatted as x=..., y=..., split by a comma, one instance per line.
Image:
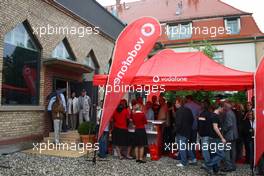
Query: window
x=180, y=31
x=19, y=37
x=219, y=57
x=233, y=25
x=21, y=62
x=89, y=62
x=107, y=68
x=62, y=51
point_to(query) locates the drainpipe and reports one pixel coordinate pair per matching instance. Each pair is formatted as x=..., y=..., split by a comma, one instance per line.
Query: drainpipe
x=256, y=57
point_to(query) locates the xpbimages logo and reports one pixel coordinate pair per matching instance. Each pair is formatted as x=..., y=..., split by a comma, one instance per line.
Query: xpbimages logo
x=65, y=30
x=212, y=147
x=80, y=147
x=147, y=89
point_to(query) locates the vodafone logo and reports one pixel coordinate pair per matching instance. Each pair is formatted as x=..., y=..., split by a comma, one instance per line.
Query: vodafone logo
x=148, y=29
x=156, y=79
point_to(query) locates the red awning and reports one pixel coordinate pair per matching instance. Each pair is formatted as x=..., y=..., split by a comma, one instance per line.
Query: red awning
x=187, y=71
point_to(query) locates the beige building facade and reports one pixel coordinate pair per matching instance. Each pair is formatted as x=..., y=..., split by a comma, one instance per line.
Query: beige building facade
x=21, y=123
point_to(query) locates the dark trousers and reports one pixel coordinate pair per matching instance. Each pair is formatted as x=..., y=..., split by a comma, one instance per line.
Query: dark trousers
x=239, y=148
x=193, y=140
x=167, y=138
x=230, y=156
x=103, y=145
x=248, y=147
x=72, y=121
x=252, y=154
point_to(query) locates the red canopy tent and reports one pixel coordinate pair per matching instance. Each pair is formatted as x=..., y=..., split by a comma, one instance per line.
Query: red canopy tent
x=187, y=71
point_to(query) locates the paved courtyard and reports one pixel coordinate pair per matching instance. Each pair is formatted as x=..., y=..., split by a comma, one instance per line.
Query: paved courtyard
x=40, y=165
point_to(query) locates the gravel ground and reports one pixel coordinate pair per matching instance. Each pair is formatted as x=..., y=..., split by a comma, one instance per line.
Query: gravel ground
x=28, y=164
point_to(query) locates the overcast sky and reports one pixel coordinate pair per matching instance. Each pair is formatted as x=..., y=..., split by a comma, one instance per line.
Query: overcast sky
x=253, y=6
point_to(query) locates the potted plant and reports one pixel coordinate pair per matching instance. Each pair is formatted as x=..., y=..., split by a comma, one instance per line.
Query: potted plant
x=87, y=132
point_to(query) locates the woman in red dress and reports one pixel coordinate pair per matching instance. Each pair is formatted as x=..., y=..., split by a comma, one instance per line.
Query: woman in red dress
x=120, y=131
x=140, y=138
x=130, y=135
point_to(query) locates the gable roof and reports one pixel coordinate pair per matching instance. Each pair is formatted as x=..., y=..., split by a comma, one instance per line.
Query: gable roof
x=91, y=12
x=165, y=10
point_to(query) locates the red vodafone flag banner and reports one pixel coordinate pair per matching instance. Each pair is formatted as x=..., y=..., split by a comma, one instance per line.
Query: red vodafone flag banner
x=259, y=99
x=132, y=47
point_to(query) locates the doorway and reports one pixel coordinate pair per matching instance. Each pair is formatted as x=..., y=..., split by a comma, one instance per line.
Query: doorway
x=69, y=85
x=60, y=84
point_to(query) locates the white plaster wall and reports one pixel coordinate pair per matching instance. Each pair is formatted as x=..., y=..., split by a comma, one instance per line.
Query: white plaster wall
x=237, y=56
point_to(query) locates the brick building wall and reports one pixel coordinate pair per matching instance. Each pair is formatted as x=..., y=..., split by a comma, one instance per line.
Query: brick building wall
x=21, y=122
x=16, y=124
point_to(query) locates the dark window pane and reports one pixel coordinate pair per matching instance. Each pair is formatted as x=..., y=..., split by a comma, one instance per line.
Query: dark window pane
x=20, y=82
x=20, y=37
x=233, y=26
x=219, y=57
x=61, y=52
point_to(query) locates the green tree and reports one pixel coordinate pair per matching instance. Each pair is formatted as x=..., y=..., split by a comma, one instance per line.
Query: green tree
x=206, y=47
x=239, y=97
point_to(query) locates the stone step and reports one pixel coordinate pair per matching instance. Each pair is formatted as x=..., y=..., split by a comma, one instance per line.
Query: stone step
x=69, y=134
x=66, y=136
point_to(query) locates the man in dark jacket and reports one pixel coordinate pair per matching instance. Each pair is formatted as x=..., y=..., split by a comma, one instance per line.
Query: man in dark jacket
x=231, y=135
x=183, y=129
x=248, y=135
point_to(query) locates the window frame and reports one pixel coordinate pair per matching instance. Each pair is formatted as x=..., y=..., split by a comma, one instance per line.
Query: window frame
x=179, y=26
x=238, y=24
x=27, y=35
x=67, y=47
x=223, y=58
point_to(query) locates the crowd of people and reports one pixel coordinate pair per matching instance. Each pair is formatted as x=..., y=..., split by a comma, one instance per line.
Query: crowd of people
x=187, y=122
x=222, y=123
x=77, y=109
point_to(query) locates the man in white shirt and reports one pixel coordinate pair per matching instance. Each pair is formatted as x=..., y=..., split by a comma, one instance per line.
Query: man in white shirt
x=84, y=107
x=73, y=109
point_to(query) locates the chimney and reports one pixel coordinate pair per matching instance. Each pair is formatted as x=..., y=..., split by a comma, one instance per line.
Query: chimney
x=118, y=7
x=125, y=6
x=179, y=8
x=118, y=2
